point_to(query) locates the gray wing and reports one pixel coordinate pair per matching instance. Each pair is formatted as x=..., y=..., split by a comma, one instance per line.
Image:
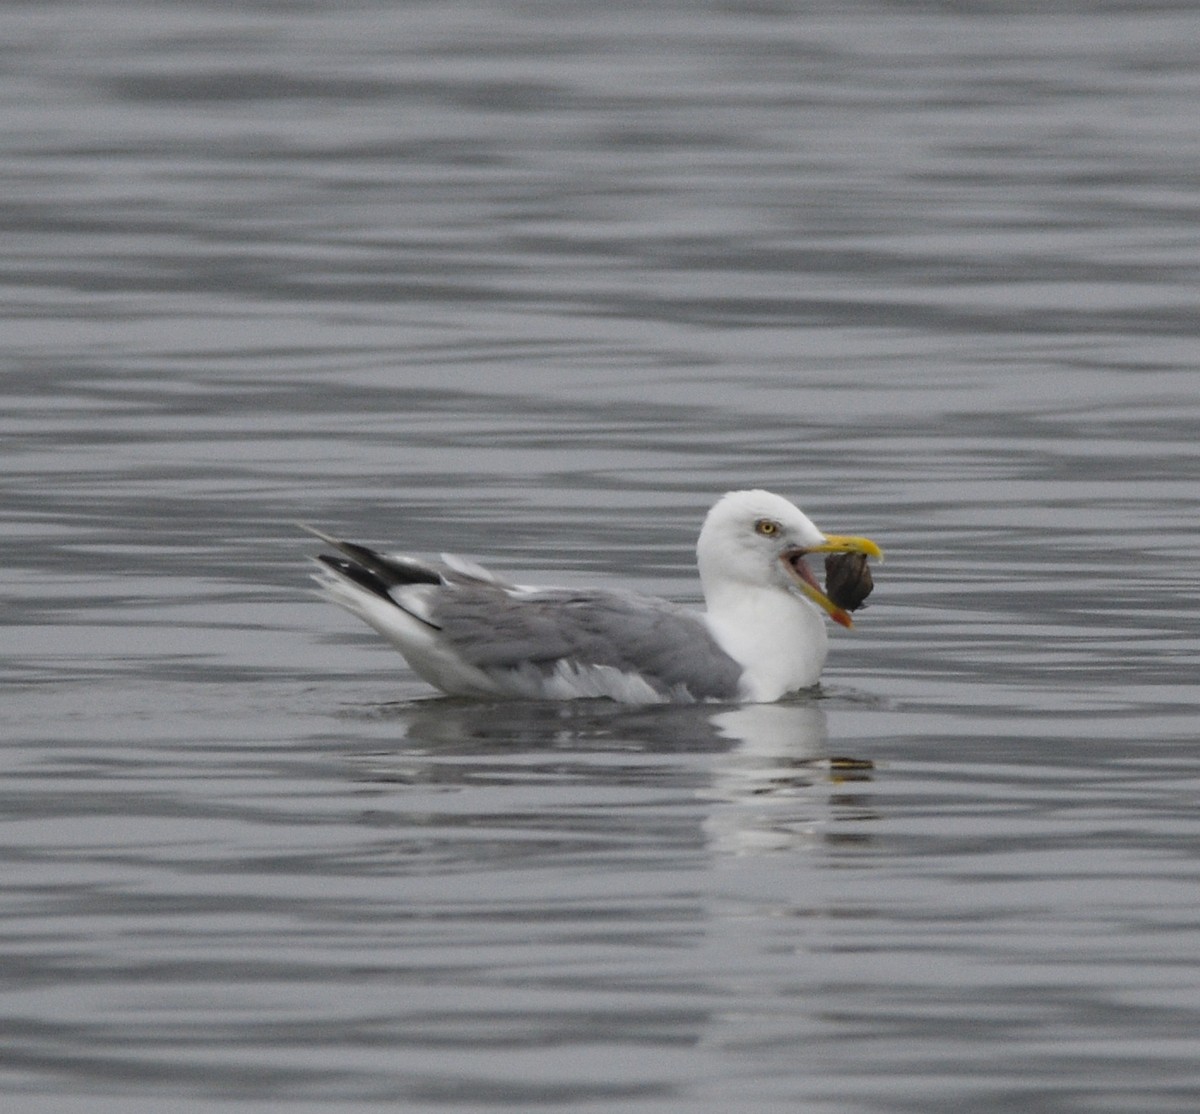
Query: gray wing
x=501, y=629
x=496, y=629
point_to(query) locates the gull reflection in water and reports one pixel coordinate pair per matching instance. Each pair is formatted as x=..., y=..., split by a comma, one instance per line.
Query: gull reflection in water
x=778, y=788
x=763, y=773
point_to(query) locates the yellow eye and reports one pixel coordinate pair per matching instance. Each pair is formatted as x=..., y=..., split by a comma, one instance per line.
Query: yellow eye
x=767, y=527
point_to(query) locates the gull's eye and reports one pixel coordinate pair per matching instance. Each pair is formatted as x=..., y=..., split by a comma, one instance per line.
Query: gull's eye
x=768, y=527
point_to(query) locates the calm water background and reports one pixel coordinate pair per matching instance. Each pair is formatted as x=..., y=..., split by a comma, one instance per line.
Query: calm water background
x=535, y=282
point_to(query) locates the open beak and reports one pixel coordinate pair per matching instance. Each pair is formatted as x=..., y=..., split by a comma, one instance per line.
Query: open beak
x=802, y=576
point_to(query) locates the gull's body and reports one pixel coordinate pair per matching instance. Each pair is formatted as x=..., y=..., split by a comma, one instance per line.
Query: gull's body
x=761, y=636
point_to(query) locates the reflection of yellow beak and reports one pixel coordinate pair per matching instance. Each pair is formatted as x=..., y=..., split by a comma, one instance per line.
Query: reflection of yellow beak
x=801, y=574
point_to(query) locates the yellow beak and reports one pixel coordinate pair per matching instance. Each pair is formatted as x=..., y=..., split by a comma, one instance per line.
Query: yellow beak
x=835, y=543
x=801, y=574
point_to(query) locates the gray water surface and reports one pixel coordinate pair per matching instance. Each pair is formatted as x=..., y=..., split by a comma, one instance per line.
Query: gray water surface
x=537, y=282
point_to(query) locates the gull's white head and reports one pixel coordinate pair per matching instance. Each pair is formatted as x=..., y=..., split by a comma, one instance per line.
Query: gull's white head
x=757, y=540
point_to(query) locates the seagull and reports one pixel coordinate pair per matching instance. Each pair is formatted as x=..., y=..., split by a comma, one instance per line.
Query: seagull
x=469, y=633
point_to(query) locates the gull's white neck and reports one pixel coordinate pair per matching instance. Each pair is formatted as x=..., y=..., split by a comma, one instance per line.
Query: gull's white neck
x=777, y=638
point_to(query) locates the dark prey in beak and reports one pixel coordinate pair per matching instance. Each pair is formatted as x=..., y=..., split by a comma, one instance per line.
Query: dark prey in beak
x=848, y=579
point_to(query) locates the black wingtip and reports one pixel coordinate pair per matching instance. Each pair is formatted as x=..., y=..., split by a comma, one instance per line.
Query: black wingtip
x=378, y=567
x=357, y=573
